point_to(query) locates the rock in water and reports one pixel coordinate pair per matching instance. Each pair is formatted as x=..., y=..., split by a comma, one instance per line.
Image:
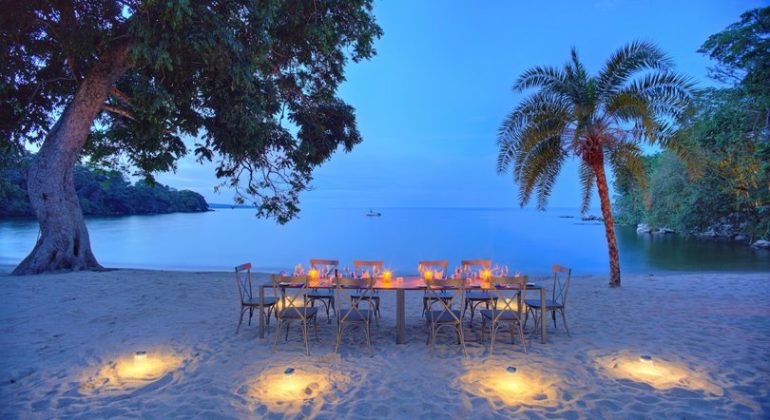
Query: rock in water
x=643, y=228
x=761, y=244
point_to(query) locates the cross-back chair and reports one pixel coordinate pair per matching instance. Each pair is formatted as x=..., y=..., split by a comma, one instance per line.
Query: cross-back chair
x=248, y=301
x=350, y=313
x=326, y=269
x=558, y=301
x=293, y=306
x=441, y=268
x=475, y=298
x=508, y=308
x=443, y=293
x=375, y=269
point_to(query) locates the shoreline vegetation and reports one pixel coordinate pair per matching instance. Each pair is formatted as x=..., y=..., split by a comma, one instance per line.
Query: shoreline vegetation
x=101, y=193
x=719, y=188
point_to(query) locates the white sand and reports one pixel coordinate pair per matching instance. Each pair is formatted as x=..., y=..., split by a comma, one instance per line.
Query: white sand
x=64, y=338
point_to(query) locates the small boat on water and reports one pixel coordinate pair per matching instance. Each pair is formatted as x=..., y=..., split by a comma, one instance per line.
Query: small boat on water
x=373, y=213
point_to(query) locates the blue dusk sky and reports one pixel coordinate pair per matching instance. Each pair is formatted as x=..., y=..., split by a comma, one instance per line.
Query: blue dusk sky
x=430, y=102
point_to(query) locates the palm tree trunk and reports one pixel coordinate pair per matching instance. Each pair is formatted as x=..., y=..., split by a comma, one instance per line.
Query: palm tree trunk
x=609, y=224
x=64, y=243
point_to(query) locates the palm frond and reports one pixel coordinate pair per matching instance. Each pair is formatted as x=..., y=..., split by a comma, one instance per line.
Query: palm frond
x=587, y=182
x=539, y=77
x=538, y=167
x=627, y=158
x=629, y=59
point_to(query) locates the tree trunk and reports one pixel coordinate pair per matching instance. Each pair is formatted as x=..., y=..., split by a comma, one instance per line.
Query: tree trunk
x=63, y=243
x=609, y=224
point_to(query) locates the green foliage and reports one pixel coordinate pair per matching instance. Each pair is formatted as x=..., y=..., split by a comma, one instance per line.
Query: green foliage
x=727, y=131
x=101, y=193
x=255, y=80
x=596, y=118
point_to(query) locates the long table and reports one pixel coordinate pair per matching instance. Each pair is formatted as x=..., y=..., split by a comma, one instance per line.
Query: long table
x=408, y=283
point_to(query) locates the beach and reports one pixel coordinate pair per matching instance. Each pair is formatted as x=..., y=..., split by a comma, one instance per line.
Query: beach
x=65, y=337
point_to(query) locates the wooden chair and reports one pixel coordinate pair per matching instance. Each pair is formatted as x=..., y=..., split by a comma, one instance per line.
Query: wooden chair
x=326, y=269
x=475, y=298
x=558, y=301
x=505, y=291
x=440, y=266
x=374, y=298
x=445, y=316
x=293, y=306
x=349, y=312
x=248, y=301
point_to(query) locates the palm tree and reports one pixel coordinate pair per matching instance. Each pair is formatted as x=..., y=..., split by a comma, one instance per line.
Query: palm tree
x=636, y=98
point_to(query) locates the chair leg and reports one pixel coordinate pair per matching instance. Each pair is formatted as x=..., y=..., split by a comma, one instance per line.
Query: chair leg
x=493, y=334
x=339, y=337
x=526, y=315
x=521, y=335
x=277, y=335
x=553, y=315
x=462, y=338
x=251, y=313
x=367, y=332
x=240, y=320
x=564, y=321
x=315, y=329
x=304, y=337
x=288, y=325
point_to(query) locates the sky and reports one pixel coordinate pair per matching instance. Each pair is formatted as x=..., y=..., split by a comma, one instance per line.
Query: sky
x=429, y=104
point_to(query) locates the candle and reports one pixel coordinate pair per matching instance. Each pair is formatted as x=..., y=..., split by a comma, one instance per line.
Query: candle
x=427, y=275
x=387, y=275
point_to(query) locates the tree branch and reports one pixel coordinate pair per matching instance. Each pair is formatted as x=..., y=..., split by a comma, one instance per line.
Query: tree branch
x=121, y=96
x=119, y=111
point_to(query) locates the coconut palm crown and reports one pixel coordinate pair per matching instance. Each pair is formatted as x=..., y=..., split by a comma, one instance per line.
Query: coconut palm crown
x=635, y=99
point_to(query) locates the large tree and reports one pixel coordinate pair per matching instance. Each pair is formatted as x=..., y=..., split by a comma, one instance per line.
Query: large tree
x=121, y=81
x=636, y=98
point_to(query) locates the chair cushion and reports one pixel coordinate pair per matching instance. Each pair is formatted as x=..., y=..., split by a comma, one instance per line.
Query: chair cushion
x=355, y=316
x=535, y=303
x=483, y=296
x=297, y=313
x=502, y=315
x=443, y=317
x=321, y=294
x=444, y=298
x=365, y=297
x=269, y=301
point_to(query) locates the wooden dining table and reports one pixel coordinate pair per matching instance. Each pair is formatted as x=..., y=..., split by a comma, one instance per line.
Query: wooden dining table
x=400, y=286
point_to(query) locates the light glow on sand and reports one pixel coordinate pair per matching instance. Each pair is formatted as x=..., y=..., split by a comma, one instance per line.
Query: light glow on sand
x=656, y=372
x=509, y=385
x=131, y=371
x=285, y=390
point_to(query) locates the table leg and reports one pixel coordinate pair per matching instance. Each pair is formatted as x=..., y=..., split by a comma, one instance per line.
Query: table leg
x=400, y=317
x=543, y=312
x=261, y=311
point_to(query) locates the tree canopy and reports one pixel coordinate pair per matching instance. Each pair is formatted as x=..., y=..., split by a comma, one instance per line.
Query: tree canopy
x=254, y=81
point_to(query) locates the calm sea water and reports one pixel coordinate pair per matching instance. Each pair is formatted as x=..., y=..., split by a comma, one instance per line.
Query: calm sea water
x=527, y=241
